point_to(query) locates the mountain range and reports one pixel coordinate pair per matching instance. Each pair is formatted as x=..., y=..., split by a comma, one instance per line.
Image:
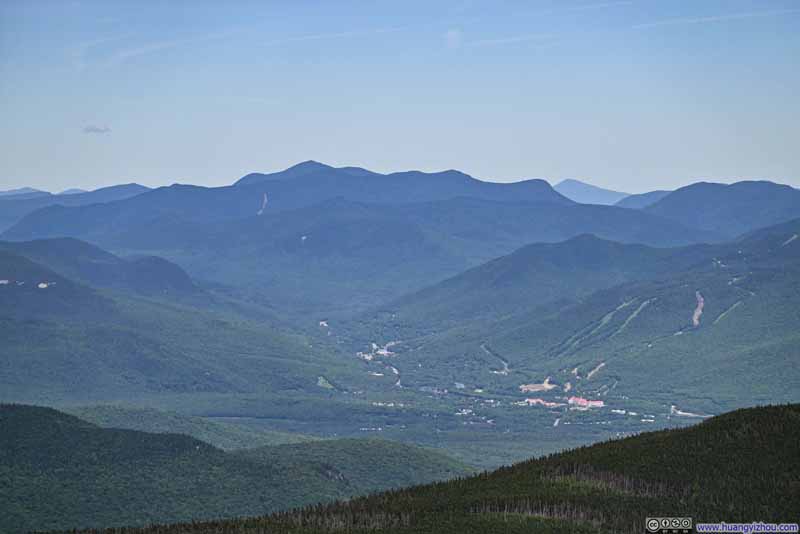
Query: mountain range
x=14, y=207
x=30, y=192
x=489, y=322
x=326, y=229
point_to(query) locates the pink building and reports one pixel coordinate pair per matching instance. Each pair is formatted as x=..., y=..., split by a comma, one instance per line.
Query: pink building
x=580, y=402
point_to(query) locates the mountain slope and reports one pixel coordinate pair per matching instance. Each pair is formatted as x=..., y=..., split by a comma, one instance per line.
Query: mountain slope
x=345, y=255
x=642, y=200
x=318, y=256
x=57, y=466
x=368, y=464
x=695, y=316
x=129, y=348
x=65, y=340
x=303, y=187
x=702, y=330
x=81, y=261
x=13, y=208
x=737, y=466
x=29, y=290
x=533, y=276
x=732, y=209
x=226, y=436
x=587, y=193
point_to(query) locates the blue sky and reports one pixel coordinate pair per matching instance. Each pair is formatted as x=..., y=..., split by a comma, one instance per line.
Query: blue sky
x=633, y=95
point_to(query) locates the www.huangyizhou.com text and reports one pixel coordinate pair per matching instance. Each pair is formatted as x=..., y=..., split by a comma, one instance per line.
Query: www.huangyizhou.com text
x=746, y=528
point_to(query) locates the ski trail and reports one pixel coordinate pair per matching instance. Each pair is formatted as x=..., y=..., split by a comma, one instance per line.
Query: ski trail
x=726, y=312
x=631, y=317
x=506, y=369
x=584, y=334
x=698, y=311
x=593, y=371
x=263, y=205
x=610, y=315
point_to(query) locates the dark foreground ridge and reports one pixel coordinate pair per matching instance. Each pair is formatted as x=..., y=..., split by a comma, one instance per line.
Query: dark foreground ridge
x=58, y=471
x=740, y=466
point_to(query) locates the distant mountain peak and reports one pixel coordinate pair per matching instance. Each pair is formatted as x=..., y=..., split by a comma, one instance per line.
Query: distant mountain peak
x=586, y=193
x=457, y=173
x=737, y=207
x=73, y=191
x=587, y=237
x=310, y=165
x=303, y=168
x=572, y=181
x=23, y=193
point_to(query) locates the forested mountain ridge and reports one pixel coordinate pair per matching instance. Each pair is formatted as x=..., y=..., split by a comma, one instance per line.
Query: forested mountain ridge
x=733, y=468
x=729, y=209
x=64, y=472
x=223, y=435
x=14, y=207
x=87, y=263
x=64, y=339
x=310, y=258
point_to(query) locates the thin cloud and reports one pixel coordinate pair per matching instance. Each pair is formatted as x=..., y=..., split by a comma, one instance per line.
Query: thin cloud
x=156, y=46
x=92, y=129
x=713, y=18
x=126, y=54
x=335, y=35
x=149, y=48
x=512, y=40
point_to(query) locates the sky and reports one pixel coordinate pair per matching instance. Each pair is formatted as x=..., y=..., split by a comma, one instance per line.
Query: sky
x=631, y=95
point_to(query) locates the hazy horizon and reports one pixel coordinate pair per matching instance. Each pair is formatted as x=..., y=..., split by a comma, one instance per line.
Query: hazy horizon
x=96, y=94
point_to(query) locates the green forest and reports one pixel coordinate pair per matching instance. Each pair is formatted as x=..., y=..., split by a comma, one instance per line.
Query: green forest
x=738, y=466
